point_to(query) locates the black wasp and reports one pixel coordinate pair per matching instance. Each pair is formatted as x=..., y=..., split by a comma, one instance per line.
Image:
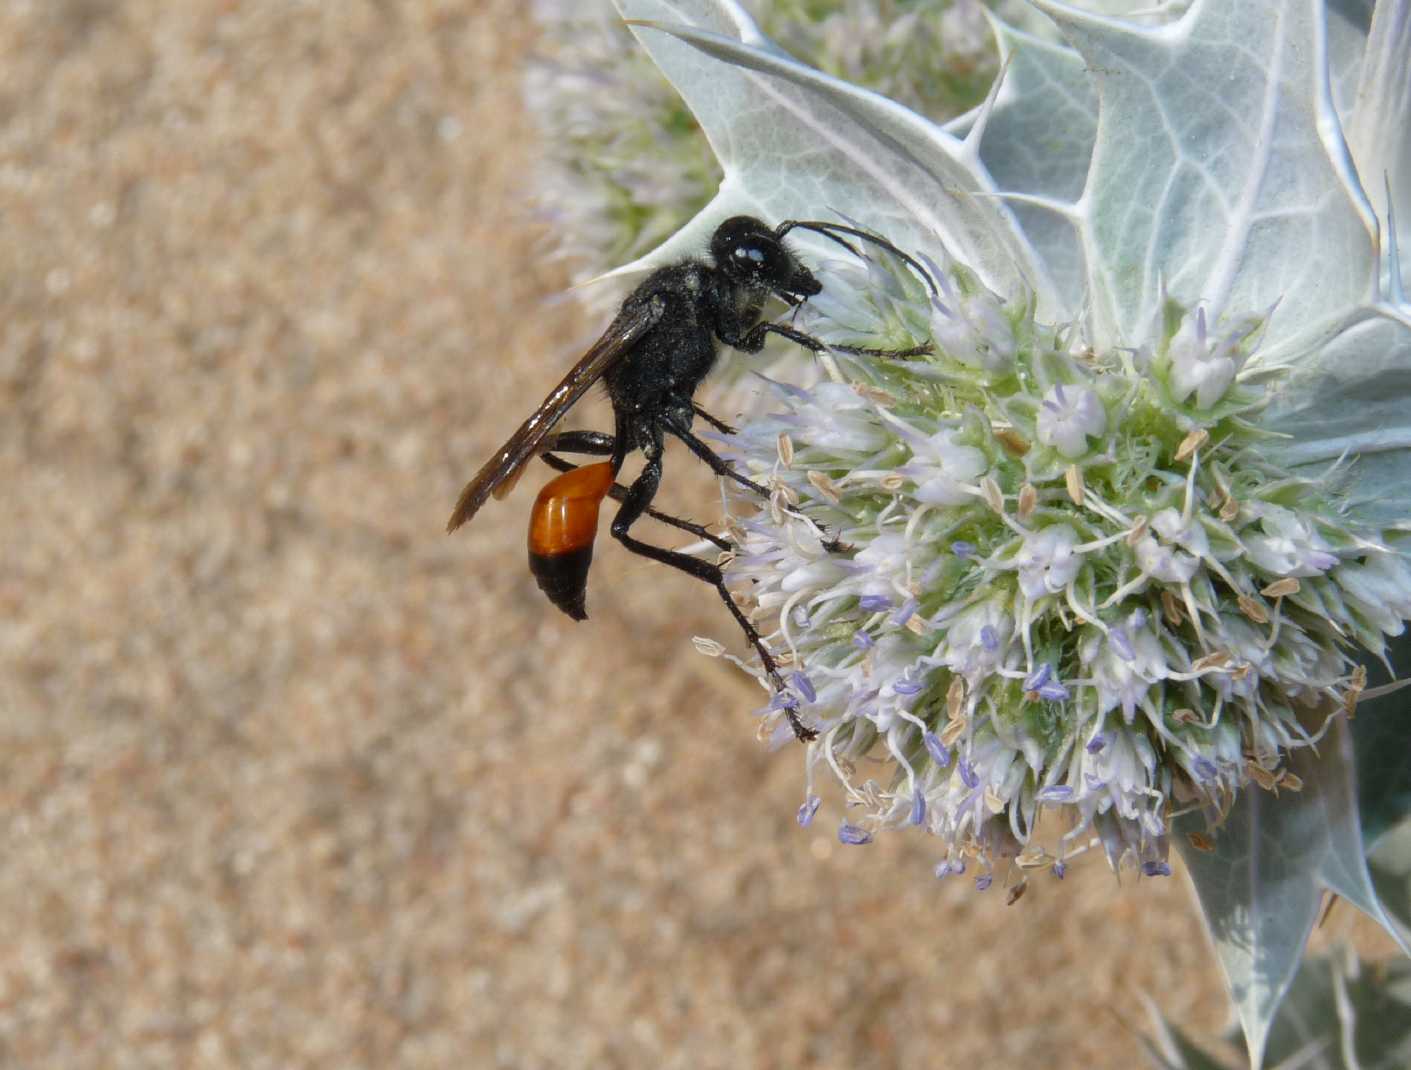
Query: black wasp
x=651, y=359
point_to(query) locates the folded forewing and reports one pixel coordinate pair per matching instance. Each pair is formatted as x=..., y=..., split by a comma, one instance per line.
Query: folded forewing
x=498, y=474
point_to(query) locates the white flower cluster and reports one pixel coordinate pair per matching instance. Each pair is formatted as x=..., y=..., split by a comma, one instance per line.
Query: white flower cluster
x=1016, y=575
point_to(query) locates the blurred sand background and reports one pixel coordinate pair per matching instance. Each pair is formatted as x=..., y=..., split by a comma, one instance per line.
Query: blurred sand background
x=290, y=778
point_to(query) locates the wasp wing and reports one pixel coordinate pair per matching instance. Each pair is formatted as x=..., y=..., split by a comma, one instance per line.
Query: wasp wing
x=501, y=470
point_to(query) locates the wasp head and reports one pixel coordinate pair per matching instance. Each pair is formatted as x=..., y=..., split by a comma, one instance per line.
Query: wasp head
x=749, y=252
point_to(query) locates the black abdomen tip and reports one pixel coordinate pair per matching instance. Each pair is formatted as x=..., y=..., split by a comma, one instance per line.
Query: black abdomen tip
x=564, y=578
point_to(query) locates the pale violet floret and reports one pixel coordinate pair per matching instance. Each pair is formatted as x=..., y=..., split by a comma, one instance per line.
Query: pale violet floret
x=1381, y=587
x=894, y=680
x=958, y=805
x=1068, y=416
x=1048, y=561
x=1199, y=367
x=1124, y=664
x=1185, y=532
x=1043, y=682
x=977, y=639
x=1243, y=639
x=1304, y=667
x=972, y=328
x=1287, y=544
x=839, y=419
x=1159, y=560
x=1117, y=776
x=810, y=566
x=1204, y=365
x=945, y=471
x=890, y=563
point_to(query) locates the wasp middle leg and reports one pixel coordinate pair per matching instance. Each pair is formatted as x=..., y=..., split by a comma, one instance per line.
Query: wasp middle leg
x=721, y=467
x=719, y=424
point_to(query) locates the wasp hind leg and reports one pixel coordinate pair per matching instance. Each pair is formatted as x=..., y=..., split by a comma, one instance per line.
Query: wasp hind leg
x=634, y=506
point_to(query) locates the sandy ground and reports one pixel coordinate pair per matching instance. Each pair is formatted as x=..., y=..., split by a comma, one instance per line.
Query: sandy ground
x=288, y=777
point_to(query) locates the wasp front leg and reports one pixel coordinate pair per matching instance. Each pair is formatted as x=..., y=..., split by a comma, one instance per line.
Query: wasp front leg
x=753, y=342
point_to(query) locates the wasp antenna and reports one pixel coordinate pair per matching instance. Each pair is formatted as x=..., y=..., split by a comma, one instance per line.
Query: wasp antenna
x=827, y=229
x=818, y=228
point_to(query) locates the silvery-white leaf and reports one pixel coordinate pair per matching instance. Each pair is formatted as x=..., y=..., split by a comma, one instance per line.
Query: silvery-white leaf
x=1307, y=1030
x=1039, y=141
x=1380, y=735
x=1260, y=889
x=1343, y=1014
x=1379, y=133
x=1389, y=862
x=1349, y=22
x=1350, y=398
x=1340, y=1014
x=1143, y=12
x=1374, y=1000
x=1259, y=916
x=1332, y=778
x=1260, y=218
x=795, y=143
x=1168, y=1048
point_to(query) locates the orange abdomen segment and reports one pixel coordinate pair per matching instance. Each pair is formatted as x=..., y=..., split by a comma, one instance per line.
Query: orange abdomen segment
x=565, y=516
x=562, y=527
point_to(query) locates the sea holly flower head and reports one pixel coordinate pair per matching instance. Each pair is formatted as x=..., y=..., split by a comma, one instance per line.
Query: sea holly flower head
x=1106, y=629
x=1057, y=561
x=1108, y=544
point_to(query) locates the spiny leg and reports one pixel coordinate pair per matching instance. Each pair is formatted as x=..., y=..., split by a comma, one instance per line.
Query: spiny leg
x=592, y=443
x=639, y=497
x=756, y=334
x=721, y=467
x=713, y=460
x=922, y=350
x=719, y=425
